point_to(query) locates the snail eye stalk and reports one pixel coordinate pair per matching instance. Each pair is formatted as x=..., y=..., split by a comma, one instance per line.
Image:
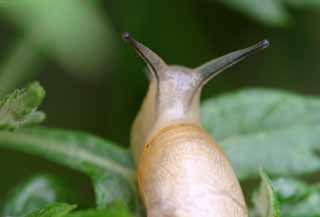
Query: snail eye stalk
x=155, y=62
x=215, y=66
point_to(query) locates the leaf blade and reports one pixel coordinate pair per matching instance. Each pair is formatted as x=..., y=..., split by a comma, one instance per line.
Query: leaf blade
x=297, y=198
x=54, y=210
x=74, y=149
x=36, y=192
x=117, y=210
x=98, y=158
x=276, y=124
x=265, y=201
x=20, y=107
x=269, y=12
x=53, y=25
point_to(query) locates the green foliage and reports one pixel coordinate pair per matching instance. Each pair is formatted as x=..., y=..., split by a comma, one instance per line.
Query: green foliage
x=283, y=129
x=297, y=198
x=109, y=166
x=20, y=107
x=110, y=188
x=305, y=3
x=265, y=200
x=54, y=210
x=35, y=193
x=274, y=129
x=269, y=12
x=53, y=27
x=290, y=189
x=116, y=210
x=77, y=150
x=279, y=126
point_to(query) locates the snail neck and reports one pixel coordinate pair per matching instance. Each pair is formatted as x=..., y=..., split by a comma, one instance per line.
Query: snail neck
x=165, y=104
x=174, y=91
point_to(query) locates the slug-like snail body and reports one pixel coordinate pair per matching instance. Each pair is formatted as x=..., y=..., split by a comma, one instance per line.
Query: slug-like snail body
x=182, y=172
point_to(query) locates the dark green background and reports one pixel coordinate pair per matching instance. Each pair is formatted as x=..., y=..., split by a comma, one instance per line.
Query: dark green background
x=185, y=32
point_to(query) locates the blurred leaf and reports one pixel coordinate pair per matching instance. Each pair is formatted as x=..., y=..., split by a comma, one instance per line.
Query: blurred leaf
x=109, y=166
x=297, y=198
x=304, y=3
x=107, y=187
x=270, y=12
x=35, y=193
x=309, y=207
x=75, y=32
x=265, y=200
x=20, y=107
x=55, y=210
x=20, y=64
x=290, y=190
x=116, y=210
x=282, y=129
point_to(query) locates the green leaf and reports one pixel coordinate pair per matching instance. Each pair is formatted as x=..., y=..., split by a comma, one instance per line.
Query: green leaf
x=20, y=64
x=55, y=26
x=36, y=192
x=55, y=210
x=290, y=190
x=110, y=188
x=265, y=201
x=77, y=150
x=308, y=207
x=283, y=130
x=270, y=12
x=116, y=210
x=19, y=108
x=297, y=198
x=109, y=166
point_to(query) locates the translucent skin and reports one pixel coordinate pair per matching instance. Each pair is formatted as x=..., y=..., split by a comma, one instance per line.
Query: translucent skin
x=183, y=173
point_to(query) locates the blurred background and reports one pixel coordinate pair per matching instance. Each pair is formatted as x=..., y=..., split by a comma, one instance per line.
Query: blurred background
x=95, y=82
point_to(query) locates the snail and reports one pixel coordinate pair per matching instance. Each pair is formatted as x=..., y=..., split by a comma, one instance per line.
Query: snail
x=182, y=172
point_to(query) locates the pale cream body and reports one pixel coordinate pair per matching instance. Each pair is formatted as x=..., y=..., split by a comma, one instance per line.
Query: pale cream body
x=182, y=172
